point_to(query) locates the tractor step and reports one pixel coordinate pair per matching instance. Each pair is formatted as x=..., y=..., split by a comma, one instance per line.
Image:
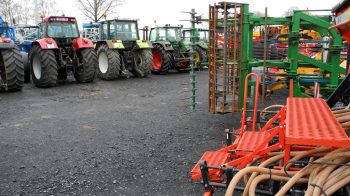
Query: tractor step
x=213, y=158
x=250, y=141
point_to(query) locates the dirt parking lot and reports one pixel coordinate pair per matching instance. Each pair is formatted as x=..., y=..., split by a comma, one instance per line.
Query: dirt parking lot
x=123, y=137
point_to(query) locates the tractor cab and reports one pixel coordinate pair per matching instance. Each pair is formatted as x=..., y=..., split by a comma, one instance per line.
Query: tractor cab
x=91, y=31
x=27, y=33
x=124, y=31
x=167, y=33
x=62, y=29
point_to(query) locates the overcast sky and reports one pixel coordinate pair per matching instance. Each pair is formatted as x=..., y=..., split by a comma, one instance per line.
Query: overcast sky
x=169, y=11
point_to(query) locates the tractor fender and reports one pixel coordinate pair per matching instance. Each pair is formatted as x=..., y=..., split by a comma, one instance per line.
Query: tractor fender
x=143, y=44
x=80, y=43
x=6, y=43
x=46, y=43
x=166, y=45
x=203, y=45
x=113, y=44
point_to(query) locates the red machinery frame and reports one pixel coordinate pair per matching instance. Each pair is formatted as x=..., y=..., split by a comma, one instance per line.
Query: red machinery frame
x=304, y=123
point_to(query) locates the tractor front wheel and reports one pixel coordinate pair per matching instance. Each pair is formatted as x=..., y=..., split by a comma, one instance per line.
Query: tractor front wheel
x=143, y=60
x=26, y=66
x=160, y=60
x=43, y=66
x=85, y=72
x=13, y=74
x=109, y=63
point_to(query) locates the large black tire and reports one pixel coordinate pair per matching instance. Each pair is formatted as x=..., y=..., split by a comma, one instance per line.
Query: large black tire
x=161, y=60
x=43, y=66
x=26, y=65
x=85, y=72
x=202, y=57
x=109, y=63
x=143, y=60
x=11, y=59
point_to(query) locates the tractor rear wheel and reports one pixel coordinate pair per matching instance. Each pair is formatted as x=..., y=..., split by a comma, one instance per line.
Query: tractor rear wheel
x=201, y=57
x=143, y=60
x=161, y=60
x=109, y=63
x=43, y=66
x=85, y=72
x=13, y=69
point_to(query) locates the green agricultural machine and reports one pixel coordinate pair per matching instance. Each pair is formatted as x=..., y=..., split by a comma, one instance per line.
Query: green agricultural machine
x=236, y=24
x=169, y=51
x=201, y=40
x=120, y=51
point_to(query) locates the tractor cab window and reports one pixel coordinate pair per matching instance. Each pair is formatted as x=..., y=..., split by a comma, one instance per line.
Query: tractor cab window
x=62, y=30
x=165, y=34
x=187, y=36
x=126, y=31
x=42, y=30
x=104, y=31
x=203, y=36
x=158, y=31
x=173, y=34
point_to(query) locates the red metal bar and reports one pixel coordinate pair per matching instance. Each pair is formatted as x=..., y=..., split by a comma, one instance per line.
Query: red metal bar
x=244, y=114
x=291, y=88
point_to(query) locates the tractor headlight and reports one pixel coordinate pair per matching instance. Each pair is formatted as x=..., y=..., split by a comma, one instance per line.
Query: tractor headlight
x=50, y=45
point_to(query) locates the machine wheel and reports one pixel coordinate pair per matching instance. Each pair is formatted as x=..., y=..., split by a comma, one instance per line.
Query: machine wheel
x=200, y=57
x=14, y=69
x=160, y=60
x=180, y=66
x=143, y=60
x=43, y=67
x=26, y=65
x=109, y=63
x=85, y=71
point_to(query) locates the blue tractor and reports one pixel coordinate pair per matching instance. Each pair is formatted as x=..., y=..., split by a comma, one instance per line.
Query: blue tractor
x=24, y=38
x=11, y=60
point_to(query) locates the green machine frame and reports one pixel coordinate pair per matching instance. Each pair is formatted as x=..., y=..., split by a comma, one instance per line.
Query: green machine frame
x=234, y=22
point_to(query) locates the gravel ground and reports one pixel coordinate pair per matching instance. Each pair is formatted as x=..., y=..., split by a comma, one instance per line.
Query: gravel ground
x=124, y=137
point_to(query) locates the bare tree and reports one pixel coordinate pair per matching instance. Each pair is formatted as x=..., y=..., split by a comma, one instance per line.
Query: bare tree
x=97, y=9
x=290, y=11
x=47, y=7
x=26, y=11
x=6, y=10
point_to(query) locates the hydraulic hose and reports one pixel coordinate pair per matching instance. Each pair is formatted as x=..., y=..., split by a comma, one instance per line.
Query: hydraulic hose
x=263, y=177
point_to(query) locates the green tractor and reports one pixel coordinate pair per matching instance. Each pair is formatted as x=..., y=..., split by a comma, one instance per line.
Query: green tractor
x=201, y=41
x=120, y=51
x=169, y=51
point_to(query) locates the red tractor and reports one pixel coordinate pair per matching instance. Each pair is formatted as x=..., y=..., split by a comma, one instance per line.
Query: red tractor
x=61, y=50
